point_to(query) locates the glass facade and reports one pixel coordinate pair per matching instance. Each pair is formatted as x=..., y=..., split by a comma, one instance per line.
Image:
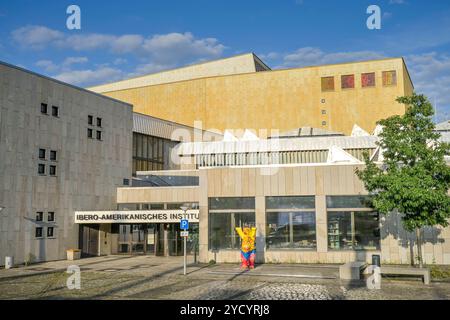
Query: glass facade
x=352, y=225
x=225, y=214
x=291, y=222
x=150, y=153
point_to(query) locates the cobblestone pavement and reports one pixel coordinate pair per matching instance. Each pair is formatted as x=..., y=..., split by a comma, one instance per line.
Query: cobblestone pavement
x=162, y=278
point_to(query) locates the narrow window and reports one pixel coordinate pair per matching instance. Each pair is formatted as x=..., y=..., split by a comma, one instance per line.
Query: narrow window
x=52, y=155
x=99, y=135
x=41, y=169
x=89, y=133
x=90, y=120
x=50, y=232
x=53, y=170
x=42, y=154
x=50, y=216
x=38, y=232
x=39, y=216
x=44, y=108
x=55, y=111
x=99, y=122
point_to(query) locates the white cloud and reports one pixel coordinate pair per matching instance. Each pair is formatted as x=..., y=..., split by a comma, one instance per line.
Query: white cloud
x=160, y=48
x=90, y=76
x=309, y=56
x=50, y=66
x=35, y=37
x=47, y=65
x=430, y=74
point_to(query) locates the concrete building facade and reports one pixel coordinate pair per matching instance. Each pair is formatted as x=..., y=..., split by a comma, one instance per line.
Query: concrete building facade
x=62, y=149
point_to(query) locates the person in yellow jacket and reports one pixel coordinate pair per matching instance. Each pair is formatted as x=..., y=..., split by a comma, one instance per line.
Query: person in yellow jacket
x=248, y=247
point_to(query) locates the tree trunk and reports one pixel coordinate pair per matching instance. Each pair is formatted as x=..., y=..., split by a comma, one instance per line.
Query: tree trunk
x=411, y=251
x=419, y=247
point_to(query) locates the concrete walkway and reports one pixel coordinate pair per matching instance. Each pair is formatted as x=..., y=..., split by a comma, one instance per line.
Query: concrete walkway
x=149, y=277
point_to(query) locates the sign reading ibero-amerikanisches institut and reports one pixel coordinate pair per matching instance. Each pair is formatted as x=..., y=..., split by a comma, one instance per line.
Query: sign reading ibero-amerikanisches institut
x=141, y=216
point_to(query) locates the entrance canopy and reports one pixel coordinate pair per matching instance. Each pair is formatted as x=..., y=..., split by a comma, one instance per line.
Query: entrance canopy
x=140, y=216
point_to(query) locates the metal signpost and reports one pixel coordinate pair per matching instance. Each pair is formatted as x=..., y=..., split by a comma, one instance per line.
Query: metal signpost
x=184, y=225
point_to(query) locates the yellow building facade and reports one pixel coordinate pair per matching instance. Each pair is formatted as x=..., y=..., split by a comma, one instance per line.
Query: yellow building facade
x=331, y=97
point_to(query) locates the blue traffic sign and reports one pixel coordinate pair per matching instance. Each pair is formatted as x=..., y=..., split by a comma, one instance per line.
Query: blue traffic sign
x=184, y=224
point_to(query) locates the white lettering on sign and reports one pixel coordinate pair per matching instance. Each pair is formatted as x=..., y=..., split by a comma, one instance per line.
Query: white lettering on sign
x=142, y=216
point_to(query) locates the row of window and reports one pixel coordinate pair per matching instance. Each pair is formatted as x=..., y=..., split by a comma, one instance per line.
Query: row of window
x=90, y=134
x=155, y=206
x=291, y=222
x=44, y=110
x=39, y=232
x=91, y=121
x=389, y=78
x=90, y=131
x=42, y=169
x=43, y=155
x=50, y=216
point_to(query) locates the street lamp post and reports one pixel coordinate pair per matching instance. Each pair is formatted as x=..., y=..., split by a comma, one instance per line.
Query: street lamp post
x=184, y=208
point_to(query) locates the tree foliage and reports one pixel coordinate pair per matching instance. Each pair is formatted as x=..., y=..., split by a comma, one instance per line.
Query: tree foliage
x=414, y=178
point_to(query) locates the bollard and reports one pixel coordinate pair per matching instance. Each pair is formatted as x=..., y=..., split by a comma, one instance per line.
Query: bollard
x=9, y=262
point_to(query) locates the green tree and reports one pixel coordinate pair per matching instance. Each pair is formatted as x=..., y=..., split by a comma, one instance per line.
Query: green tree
x=414, y=178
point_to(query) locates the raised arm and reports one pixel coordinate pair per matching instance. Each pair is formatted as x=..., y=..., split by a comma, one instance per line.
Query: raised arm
x=240, y=233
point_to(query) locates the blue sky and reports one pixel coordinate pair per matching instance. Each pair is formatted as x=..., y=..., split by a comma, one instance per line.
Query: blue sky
x=120, y=39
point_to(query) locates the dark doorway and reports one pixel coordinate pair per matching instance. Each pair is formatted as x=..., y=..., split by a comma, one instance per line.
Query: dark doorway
x=89, y=240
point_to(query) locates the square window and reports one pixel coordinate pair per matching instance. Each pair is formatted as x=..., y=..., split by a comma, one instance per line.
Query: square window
x=324, y=123
x=99, y=122
x=322, y=101
x=50, y=216
x=53, y=170
x=368, y=80
x=89, y=133
x=52, y=155
x=90, y=120
x=324, y=111
x=39, y=216
x=44, y=108
x=327, y=83
x=99, y=135
x=38, y=232
x=41, y=168
x=50, y=232
x=55, y=111
x=389, y=78
x=348, y=81
x=42, y=154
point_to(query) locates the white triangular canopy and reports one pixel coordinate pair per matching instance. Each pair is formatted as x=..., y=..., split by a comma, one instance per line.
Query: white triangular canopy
x=338, y=155
x=378, y=129
x=357, y=131
x=377, y=155
x=249, y=136
x=228, y=136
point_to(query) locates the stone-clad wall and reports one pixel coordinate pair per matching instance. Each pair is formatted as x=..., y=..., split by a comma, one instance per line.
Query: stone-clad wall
x=88, y=170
